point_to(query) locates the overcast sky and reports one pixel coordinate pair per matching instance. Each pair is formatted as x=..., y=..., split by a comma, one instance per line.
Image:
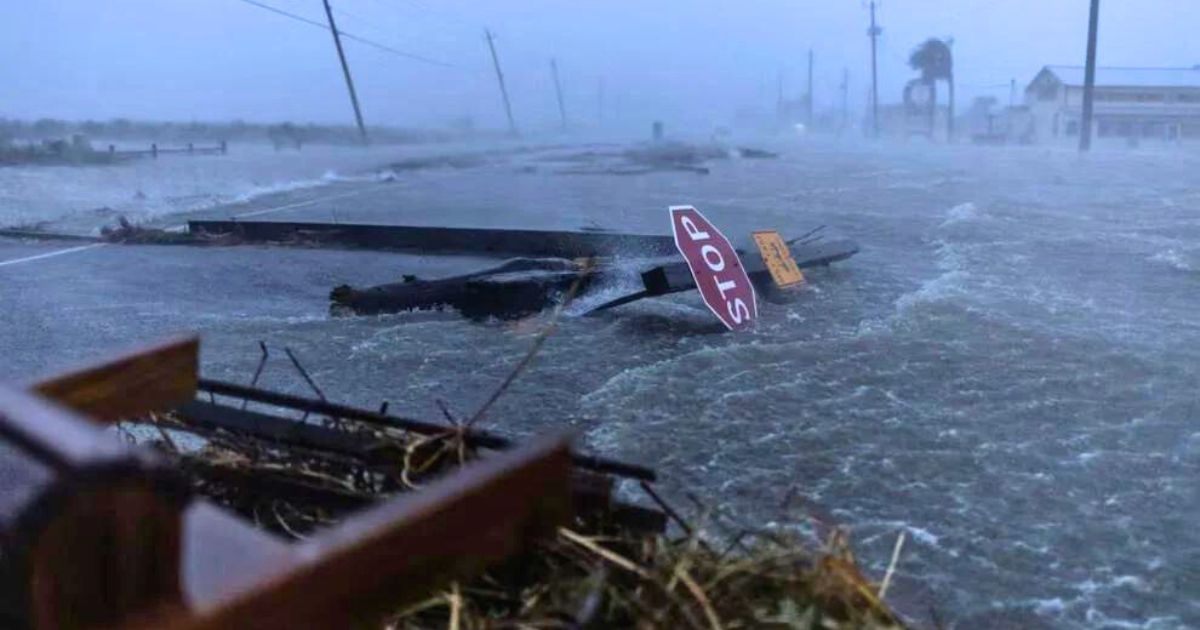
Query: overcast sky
x=690, y=61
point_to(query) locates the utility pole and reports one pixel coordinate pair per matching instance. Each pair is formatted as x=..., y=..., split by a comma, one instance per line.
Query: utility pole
x=779, y=96
x=512, y=126
x=562, y=110
x=600, y=100
x=1089, y=79
x=874, y=33
x=845, y=98
x=337, y=42
x=808, y=102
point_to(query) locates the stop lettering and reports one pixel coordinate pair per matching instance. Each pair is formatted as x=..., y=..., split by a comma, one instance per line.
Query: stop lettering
x=716, y=268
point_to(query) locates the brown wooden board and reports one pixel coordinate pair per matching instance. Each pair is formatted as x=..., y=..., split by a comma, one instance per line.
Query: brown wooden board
x=152, y=379
x=406, y=548
x=444, y=240
x=96, y=537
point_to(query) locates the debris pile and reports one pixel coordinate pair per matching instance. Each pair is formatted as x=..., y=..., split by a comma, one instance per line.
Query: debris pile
x=615, y=565
x=654, y=157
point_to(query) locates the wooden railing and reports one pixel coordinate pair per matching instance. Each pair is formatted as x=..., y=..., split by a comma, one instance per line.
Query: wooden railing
x=154, y=151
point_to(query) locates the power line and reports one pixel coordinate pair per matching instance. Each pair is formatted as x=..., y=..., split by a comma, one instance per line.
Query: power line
x=442, y=14
x=448, y=17
x=350, y=36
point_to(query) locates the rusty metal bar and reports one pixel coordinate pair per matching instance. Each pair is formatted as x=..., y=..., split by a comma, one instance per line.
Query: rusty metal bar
x=475, y=438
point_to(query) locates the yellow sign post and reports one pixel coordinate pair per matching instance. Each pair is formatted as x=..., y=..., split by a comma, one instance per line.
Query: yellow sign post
x=778, y=258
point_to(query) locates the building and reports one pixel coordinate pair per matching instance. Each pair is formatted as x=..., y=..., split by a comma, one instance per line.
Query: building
x=1130, y=105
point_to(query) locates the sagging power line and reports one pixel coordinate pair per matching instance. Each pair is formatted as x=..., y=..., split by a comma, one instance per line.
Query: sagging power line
x=351, y=36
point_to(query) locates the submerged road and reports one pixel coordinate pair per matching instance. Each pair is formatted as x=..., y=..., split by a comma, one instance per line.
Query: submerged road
x=1007, y=372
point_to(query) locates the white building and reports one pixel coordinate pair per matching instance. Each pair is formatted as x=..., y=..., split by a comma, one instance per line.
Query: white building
x=1130, y=104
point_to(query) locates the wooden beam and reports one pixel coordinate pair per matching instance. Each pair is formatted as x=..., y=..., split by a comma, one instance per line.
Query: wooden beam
x=90, y=526
x=493, y=242
x=151, y=379
x=405, y=549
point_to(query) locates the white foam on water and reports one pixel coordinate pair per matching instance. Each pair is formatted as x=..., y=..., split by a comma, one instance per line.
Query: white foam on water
x=279, y=187
x=923, y=536
x=145, y=189
x=948, y=284
x=1177, y=260
x=1049, y=607
x=961, y=213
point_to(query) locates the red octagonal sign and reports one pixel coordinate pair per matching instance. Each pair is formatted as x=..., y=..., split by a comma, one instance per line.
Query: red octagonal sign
x=715, y=266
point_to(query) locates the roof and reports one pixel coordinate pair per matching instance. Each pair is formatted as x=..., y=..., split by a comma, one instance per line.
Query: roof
x=1131, y=77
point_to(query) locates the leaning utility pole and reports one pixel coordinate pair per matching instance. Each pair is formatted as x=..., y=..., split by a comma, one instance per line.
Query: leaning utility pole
x=562, y=110
x=874, y=33
x=512, y=126
x=337, y=42
x=1089, y=79
x=808, y=102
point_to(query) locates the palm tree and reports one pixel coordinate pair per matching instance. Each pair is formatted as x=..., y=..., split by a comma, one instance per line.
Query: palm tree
x=934, y=61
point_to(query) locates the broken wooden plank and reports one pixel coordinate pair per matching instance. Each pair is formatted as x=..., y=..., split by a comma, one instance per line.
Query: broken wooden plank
x=152, y=379
x=35, y=234
x=428, y=239
x=407, y=548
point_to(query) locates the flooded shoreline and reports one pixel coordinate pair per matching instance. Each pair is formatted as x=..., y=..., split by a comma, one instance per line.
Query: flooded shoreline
x=991, y=374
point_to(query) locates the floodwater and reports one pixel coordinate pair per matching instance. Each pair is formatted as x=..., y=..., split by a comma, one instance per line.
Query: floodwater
x=1007, y=372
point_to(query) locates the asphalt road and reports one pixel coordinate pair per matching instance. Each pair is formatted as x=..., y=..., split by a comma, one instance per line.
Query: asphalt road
x=66, y=302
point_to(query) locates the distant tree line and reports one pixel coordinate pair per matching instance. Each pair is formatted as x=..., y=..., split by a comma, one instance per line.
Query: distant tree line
x=118, y=129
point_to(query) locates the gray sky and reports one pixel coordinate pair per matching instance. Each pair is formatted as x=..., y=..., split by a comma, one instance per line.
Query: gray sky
x=693, y=62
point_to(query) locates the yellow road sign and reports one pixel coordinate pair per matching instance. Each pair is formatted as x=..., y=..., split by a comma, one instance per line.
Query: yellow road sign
x=778, y=258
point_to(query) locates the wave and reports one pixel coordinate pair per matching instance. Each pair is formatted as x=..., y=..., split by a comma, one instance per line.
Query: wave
x=1180, y=261
x=961, y=213
x=946, y=285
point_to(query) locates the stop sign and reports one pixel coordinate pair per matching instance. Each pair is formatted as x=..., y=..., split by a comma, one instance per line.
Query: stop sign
x=716, y=268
